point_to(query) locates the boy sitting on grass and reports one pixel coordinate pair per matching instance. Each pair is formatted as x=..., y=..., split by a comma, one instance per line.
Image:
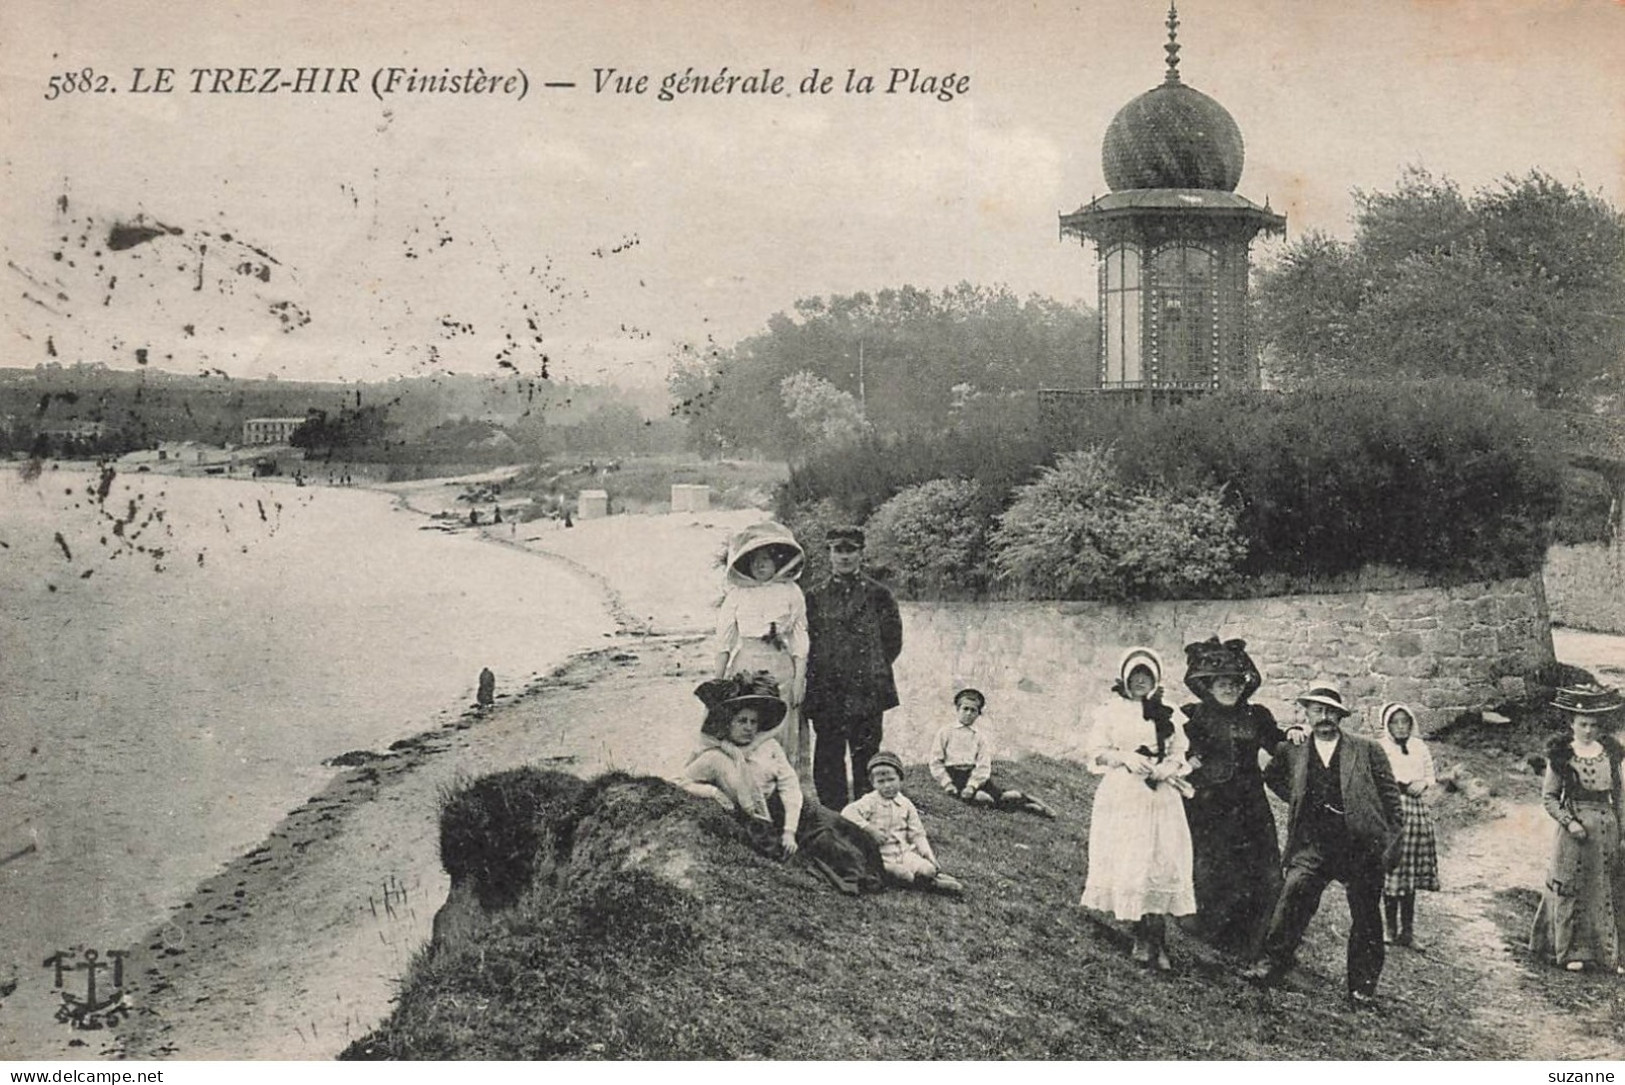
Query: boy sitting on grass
x=962, y=761
x=888, y=816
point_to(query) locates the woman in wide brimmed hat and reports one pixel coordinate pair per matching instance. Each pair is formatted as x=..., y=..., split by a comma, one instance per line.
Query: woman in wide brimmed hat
x=740, y=766
x=1581, y=920
x=1236, y=856
x=1139, y=844
x=1418, y=864
x=762, y=621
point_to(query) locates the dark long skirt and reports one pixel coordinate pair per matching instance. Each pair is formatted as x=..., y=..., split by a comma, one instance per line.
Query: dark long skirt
x=839, y=851
x=1236, y=864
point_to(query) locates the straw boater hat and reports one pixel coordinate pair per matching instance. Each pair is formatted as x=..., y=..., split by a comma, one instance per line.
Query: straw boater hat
x=1590, y=699
x=723, y=697
x=1326, y=693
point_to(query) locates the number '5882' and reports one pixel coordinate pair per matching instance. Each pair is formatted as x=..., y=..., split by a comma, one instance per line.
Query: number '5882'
x=84, y=81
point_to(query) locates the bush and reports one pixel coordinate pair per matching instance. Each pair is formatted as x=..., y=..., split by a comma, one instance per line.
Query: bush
x=1443, y=478
x=931, y=539
x=1077, y=533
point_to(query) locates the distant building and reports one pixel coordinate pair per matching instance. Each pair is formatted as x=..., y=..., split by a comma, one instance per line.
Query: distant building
x=270, y=431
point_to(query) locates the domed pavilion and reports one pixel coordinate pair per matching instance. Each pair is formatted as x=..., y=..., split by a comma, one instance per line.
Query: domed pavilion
x=1173, y=237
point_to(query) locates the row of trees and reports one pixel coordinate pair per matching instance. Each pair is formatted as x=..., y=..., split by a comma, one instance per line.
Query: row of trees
x=1520, y=285
x=900, y=361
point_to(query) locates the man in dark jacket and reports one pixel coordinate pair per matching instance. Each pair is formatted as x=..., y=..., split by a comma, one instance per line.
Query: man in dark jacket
x=855, y=634
x=1343, y=823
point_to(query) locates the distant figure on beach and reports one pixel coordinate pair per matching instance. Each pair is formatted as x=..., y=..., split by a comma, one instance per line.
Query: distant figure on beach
x=962, y=761
x=567, y=521
x=1343, y=824
x=855, y=634
x=1237, y=861
x=473, y=517
x=1418, y=866
x=740, y=766
x=891, y=820
x=1139, y=844
x=487, y=695
x=1580, y=923
x=762, y=621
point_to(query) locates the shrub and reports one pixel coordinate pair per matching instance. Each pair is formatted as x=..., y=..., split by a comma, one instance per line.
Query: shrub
x=808, y=523
x=931, y=539
x=1444, y=478
x=1077, y=533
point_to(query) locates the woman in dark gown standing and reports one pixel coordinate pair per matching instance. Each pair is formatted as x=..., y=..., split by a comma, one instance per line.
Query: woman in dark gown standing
x=1235, y=853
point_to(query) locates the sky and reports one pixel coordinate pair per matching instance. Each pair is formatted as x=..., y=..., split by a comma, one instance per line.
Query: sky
x=598, y=235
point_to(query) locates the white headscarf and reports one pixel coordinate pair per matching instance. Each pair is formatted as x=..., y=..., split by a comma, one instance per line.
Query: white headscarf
x=1414, y=762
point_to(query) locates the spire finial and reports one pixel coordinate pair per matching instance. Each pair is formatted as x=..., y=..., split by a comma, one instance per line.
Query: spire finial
x=1172, y=48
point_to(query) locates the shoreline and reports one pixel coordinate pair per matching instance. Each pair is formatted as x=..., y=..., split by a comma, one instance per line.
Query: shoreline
x=301, y=919
x=296, y=947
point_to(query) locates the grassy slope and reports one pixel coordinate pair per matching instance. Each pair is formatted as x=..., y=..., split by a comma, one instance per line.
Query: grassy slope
x=759, y=960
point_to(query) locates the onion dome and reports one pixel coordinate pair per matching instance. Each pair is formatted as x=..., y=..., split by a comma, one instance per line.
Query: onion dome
x=1173, y=136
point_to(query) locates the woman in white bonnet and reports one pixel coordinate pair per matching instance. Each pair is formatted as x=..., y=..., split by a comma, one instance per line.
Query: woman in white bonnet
x=762, y=622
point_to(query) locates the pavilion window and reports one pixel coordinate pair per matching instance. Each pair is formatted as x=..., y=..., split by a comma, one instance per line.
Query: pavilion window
x=1122, y=316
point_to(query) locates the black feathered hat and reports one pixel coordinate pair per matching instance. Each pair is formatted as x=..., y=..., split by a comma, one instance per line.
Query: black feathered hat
x=723, y=697
x=1208, y=659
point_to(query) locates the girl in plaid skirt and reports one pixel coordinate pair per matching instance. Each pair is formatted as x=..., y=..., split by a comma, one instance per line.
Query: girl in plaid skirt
x=1418, y=866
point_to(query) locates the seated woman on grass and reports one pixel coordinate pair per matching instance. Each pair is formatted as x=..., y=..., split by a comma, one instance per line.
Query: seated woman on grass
x=741, y=766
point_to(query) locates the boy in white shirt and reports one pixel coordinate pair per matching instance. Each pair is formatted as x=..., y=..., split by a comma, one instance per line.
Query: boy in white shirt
x=894, y=823
x=962, y=761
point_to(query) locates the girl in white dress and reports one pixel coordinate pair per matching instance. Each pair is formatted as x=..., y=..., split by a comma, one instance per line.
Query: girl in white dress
x=1139, y=842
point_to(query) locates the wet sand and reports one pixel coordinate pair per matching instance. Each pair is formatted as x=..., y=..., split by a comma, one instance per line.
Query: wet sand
x=294, y=949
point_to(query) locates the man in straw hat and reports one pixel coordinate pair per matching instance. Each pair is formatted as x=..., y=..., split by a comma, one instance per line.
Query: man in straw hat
x=1343, y=824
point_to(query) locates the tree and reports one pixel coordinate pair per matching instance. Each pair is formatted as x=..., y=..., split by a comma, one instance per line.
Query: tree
x=1521, y=285
x=823, y=416
x=899, y=353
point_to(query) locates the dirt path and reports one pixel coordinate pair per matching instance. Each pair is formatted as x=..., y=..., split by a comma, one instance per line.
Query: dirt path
x=1476, y=864
x=1508, y=851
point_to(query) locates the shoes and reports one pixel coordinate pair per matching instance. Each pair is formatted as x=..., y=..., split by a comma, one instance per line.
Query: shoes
x=1575, y=966
x=947, y=884
x=1141, y=951
x=1163, y=964
x=1263, y=974
x=1362, y=1000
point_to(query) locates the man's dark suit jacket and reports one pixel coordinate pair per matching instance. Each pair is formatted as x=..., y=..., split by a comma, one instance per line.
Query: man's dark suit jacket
x=1370, y=795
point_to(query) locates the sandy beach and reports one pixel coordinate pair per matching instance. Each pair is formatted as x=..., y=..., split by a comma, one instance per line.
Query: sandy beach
x=173, y=693
x=270, y=898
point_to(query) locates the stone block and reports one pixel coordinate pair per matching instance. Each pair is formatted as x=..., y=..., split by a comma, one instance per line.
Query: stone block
x=1480, y=643
x=1403, y=644
x=592, y=504
x=1512, y=688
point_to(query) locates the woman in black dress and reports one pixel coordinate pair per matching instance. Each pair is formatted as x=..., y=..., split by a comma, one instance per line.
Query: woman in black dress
x=1235, y=853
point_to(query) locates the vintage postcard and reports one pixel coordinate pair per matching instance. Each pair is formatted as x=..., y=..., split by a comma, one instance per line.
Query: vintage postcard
x=354, y=375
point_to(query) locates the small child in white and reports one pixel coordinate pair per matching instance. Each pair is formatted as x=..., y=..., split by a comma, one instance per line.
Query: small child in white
x=962, y=761
x=893, y=822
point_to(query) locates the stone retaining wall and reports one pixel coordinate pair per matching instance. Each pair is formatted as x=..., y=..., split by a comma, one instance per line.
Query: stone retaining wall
x=1586, y=586
x=1046, y=666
